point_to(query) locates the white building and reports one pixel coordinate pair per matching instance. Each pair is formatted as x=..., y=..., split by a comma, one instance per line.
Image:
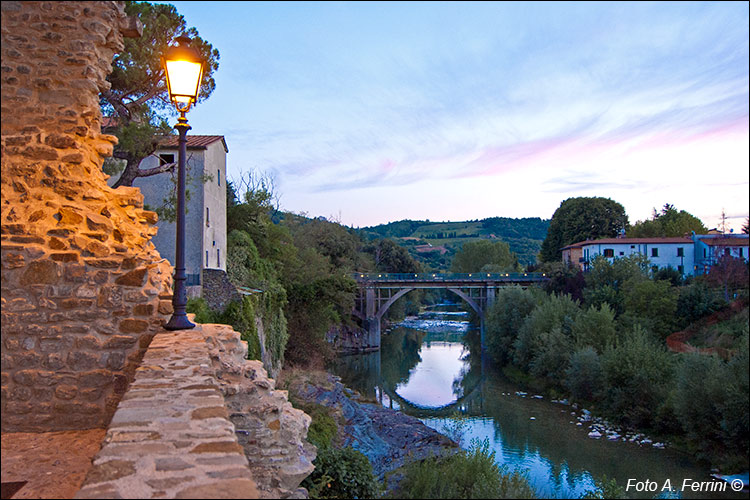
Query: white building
x=688, y=255
x=206, y=218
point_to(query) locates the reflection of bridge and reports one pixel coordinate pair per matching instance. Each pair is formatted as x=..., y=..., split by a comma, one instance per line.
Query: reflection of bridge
x=470, y=403
x=378, y=292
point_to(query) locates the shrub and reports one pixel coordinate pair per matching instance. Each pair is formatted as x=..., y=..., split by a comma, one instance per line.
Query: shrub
x=467, y=474
x=552, y=358
x=636, y=375
x=504, y=319
x=653, y=303
x=696, y=301
x=583, y=378
x=595, y=327
x=342, y=473
x=557, y=311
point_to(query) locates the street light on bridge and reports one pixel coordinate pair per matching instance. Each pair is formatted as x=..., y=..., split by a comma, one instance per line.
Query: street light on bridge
x=183, y=66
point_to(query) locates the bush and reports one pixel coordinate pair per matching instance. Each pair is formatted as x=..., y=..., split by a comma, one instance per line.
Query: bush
x=711, y=402
x=504, y=319
x=342, y=473
x=557, y=311
x=595, y=327
x=552, y=358
x=583, y=378
x=653, y=304
x=696, y=301
x=467, y=474
x=636, y=375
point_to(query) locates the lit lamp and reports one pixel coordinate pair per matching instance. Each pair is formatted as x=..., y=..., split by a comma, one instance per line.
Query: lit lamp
x=183, y=66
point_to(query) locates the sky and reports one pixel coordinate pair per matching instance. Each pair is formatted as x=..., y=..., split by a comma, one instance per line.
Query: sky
x=367, y=113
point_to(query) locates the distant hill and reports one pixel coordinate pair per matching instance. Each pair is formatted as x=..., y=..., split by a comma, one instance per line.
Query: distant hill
x=435, y=243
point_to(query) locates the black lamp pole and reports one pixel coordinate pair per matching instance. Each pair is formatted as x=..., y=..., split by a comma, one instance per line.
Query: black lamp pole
x=179, y=320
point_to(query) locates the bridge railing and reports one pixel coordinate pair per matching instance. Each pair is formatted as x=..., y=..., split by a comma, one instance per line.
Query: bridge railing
x=437, y=277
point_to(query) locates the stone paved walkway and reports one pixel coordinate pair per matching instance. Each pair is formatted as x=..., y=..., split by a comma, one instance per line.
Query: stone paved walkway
x=53, y=463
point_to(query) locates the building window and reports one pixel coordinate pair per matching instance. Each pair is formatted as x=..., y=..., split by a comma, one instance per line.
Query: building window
x=680, y=252
x=218, y=257
x=206, y=258
x=218, y=177
x=654, y=252
x=727, y=251
x=207, y=220
x=632, y=246
x=741, y=252
x=681, y=269
x=609, y=252
x=704, y=253
x=166, y=158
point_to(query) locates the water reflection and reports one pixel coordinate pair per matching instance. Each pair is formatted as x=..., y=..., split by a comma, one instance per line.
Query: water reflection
x=433, y=375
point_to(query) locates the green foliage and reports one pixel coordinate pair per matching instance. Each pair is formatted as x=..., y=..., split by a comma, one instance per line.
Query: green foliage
x=504, y=319
x=652, y=304
x=668, y=223
x=605, y=280
x=137, y=97
x=552, y=357
x=342, y=473
x=696, y=301
x=557, y=312
x=240, y=315
x=486, y=256
x=595, y=327
x=467, y=474
x=563, y=279
x=580, y=219
x=636, y=373
x=583, y=378
x=605, y=488
x=391, y=258
x=712, y=404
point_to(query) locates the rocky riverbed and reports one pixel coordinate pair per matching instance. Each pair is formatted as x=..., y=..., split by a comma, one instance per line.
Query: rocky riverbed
x=388, y=438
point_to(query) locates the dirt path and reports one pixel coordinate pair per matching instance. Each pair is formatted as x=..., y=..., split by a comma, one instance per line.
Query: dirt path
x=54, y=463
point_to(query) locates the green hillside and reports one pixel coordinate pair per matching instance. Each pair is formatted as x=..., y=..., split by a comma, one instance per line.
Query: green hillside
x=435, y=243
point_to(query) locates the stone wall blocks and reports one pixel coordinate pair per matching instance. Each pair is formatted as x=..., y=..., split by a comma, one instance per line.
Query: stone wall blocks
x=61, y=141
x=135, y=278
x=96, y=379
x=82, y=361
x=96, y=249
x=53, y=361
x=67, y=257
x=41, y=272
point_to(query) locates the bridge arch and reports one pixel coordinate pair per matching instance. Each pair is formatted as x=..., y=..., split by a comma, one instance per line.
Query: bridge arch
x=379, y=291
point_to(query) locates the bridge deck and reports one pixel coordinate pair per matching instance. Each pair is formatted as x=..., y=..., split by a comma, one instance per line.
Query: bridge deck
x=445, y=280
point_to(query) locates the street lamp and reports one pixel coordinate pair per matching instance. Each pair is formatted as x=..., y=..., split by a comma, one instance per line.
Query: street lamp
x=183, y=66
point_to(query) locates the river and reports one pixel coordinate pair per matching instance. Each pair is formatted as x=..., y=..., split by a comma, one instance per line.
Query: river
x=427, y=368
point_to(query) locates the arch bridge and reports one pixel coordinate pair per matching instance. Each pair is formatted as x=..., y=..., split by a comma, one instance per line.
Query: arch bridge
x=377, y=292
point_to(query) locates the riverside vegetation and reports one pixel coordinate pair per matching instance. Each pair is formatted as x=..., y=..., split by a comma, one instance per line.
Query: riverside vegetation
x=598, y=337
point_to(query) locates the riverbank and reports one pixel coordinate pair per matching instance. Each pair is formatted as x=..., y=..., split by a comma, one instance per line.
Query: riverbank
x=388, y=438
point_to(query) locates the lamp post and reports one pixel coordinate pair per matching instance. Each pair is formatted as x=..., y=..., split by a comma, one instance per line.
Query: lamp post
x=183, y=67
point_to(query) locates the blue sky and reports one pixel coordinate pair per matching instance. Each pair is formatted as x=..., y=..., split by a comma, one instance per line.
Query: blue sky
x=373, y=112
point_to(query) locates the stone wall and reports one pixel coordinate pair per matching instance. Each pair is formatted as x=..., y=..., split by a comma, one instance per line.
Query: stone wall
x=199, y=421
x=83, y=289
x=217, y=290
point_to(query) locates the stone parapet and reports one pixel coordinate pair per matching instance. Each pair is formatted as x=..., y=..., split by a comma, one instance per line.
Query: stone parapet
x=171, y=436
x=200, y=421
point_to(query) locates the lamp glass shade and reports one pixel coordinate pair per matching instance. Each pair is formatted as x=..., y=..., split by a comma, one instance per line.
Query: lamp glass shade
x=183, y=79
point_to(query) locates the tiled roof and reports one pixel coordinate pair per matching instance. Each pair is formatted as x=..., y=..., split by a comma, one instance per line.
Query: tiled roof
x=726, y=242
x=630, y=241
x=194, y=141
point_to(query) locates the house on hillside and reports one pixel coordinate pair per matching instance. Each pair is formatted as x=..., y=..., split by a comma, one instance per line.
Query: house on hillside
x=206, y=218
x=688, y=255
x=710, y=247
